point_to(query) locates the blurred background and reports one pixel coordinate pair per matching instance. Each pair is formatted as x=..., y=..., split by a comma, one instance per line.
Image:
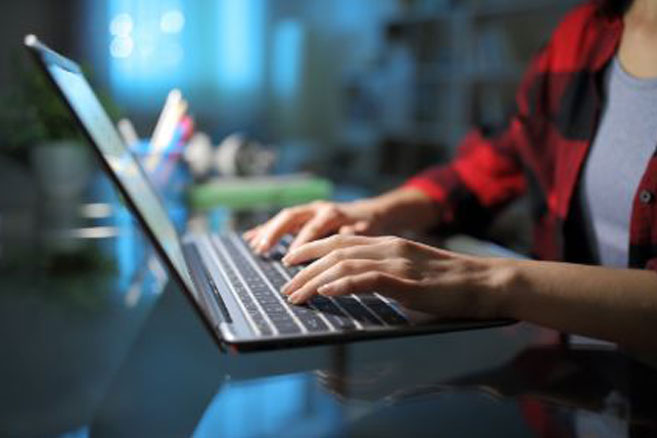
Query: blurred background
x=361, y=91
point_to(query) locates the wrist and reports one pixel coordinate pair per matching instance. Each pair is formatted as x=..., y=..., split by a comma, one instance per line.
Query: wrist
x=405, y=209
x=501, y=286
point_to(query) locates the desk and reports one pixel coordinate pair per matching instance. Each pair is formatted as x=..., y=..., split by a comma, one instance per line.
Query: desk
x=97, y=342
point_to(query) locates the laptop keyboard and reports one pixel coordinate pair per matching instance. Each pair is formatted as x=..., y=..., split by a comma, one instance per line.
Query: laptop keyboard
x=249, y=306
x=256, y=281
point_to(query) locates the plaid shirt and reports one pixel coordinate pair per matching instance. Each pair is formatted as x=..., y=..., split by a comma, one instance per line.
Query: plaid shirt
x=542, y=148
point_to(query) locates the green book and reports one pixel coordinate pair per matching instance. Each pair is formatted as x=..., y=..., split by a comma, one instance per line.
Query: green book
x=258, y=192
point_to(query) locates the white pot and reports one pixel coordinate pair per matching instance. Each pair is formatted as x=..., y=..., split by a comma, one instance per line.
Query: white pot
x=62, y=168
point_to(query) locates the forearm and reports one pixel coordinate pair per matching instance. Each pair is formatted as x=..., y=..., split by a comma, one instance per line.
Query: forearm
x=405, y=209
x=619, y=305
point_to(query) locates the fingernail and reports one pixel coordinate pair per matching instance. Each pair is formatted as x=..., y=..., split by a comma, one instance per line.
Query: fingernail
x=260, y=247
x=287, y=260
x=286, y=288
x=322, y=290
x=294, y=298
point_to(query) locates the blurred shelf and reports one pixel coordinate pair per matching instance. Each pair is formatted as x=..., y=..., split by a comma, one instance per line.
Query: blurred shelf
x=442, y=74
x=501, y=76
x=511, y=9
x=419, y=18
x=501, y=9
x=459, y=66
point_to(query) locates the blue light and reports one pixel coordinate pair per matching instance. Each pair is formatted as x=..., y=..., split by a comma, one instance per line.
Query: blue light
x=127, y=247
x=121, y=47
x=172, y=21
x=287, y=405
x=146, y=48
x=288, y=59
x=121, y=25
x=240, y=25
x=151, y=46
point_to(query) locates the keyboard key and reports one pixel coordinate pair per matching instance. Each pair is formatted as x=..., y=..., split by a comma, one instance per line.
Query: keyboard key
x=262, y=325
x=270, y=271
x=293, y=270
x=309, y=318
x=336, y=317
x=383, y=310
x=287, y=327
x=358, y=311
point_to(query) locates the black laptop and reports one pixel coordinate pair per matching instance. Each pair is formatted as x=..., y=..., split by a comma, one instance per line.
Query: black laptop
x=235, y=292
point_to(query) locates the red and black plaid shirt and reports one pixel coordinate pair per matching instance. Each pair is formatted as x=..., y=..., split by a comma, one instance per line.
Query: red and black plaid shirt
x=544, y=145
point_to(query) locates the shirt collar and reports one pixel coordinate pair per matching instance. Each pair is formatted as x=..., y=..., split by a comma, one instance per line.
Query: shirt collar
x=610, y=31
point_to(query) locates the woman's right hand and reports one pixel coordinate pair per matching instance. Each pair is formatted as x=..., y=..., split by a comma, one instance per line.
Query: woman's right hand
x=385, y=214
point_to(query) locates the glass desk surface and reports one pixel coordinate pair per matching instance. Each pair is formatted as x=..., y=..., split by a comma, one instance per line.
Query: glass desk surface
x=97, y=342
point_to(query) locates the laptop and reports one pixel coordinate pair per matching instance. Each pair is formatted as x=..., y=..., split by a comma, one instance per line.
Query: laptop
x=235, y=292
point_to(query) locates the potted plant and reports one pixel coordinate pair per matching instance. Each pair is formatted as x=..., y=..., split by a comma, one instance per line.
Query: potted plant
x=38, y=129
x=36, y=124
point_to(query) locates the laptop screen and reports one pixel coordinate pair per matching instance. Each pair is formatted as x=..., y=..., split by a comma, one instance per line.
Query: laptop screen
x=131, y=176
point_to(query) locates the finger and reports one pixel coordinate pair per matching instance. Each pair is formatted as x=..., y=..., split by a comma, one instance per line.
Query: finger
x=382, y=282
x=362, y=252
x=324, y=222
x=284, y=222
x=250, y=234
x=335, y=272
x=259, y=232
x=320, y=248
x=252, y=241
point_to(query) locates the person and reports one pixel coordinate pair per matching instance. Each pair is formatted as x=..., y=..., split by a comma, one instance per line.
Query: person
x=581, y=142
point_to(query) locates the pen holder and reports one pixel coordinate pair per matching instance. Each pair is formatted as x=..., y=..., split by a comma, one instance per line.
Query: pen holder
x=168, y=177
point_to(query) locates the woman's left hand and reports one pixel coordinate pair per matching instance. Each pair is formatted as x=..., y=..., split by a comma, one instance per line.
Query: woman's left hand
x=418, y=276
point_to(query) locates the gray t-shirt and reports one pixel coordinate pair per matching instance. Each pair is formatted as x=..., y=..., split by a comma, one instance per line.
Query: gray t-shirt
x=625, y=140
